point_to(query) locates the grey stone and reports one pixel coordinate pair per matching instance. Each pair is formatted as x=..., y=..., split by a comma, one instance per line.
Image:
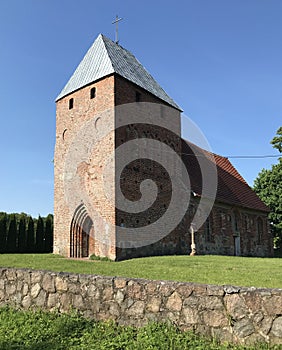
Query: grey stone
x=11, y=275
x=25, y=289
x=174, y=302
x=78, y=302
x=235, y=306
x=41, y=298
x=231, y=289
x=192, y=302
x=10, y=289
x=2, y=284
x=191, y=316
x=19, y=286
x=61, y=284
x=114, y=309
x=48, y=283
x=154, y=304
x=65, y=302
x=52, y=300
x=212, y=303
x=119, y=297
x=36, y=276
x=2, y=295
x=215, y=318
x=16, y=299
x=35, y=290
x=120, y=283
x=243, y=328
x=266, y=324
x=136, y=309
x=26, y=302
x=273, y=305
x=276, y=329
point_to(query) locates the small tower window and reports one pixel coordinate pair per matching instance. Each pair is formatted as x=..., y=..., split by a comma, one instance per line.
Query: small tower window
x=137, y=96
x=93, y=93
x=71, y=103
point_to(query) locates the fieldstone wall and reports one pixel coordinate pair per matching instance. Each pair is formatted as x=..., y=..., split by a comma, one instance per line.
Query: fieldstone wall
x=242, y=315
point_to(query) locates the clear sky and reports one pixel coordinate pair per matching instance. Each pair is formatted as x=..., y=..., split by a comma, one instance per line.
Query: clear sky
x=220, y=60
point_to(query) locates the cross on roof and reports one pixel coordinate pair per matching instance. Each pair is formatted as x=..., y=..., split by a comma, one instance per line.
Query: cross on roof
x=116, y=23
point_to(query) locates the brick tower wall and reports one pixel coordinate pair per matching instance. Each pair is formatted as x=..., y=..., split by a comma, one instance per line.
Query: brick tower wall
x=140, y=170
x=68, y=123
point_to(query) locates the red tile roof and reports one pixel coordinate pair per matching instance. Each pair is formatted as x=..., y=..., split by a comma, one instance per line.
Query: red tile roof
x=231, y=187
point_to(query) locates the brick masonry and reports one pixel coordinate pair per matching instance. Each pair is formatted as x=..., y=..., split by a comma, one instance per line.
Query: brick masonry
x=229, y=313
x=76, y=234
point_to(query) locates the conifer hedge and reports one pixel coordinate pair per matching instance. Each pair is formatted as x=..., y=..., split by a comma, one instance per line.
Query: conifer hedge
x=20, y=233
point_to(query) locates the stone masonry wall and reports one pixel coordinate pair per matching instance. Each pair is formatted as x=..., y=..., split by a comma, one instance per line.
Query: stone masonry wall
x=242, y=315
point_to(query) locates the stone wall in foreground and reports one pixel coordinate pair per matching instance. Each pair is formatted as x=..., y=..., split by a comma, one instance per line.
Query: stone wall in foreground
x=243, y=315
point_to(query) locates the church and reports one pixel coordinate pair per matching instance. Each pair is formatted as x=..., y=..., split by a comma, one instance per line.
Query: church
x=127, y=185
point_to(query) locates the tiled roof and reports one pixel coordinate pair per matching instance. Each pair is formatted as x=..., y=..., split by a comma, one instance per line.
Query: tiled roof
x=105, y=57
x=231, y=187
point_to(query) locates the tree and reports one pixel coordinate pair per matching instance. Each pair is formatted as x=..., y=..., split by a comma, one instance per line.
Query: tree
x=3, y=232
x=12, y=235
x=48, y=234
x=39, y=235
x=268, y=186
x=30, y=236
x=22, y=234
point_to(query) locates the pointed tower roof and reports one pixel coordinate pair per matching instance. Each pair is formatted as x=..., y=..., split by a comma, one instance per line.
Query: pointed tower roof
x=105, y=57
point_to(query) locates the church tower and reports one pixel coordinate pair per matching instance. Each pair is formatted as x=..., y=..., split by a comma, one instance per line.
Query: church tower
x=108, y=77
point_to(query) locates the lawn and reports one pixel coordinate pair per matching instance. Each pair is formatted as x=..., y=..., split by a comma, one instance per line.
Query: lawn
x=37, y=330
x=258, y=272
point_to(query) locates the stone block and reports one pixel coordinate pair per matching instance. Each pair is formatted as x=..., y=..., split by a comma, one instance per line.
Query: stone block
x=48, y=283
x=174, y=302
x=35, y=290
x=26, y=302
x=276, y=329
x=243, y=328
x=40, y=299
x=61, y=284
x=120, y=283
x=153, y=304
x=136, y=309
x=236, y=307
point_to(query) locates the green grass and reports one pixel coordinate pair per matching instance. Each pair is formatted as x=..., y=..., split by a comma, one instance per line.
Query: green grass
x=38, y=330
x=258, y=272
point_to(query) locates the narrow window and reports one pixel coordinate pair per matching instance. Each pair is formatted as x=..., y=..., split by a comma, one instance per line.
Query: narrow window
x=137, y=96
x=71, y=103
x=93, y=92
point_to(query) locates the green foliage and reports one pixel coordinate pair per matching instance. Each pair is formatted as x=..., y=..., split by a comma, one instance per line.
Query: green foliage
x=22, y=234
x=39, y=235
x=34, y=330
x=268, y=186
x=30, y=240
x=277, y=140
x=258, y=272
x=101, y=258
x=48, y=234
x=3, y=231
x=11, y=244
x=17, y=233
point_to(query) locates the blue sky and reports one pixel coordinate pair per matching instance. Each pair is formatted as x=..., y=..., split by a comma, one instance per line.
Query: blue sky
x=220, y=60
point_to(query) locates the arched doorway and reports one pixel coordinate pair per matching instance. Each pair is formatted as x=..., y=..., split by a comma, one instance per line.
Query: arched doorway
x=81, y=225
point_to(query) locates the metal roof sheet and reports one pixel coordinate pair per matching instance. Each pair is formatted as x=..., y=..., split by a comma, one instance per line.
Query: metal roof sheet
x=106, y=57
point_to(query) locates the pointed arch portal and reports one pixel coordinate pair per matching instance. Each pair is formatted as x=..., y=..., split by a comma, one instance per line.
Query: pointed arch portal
x=80, y=228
